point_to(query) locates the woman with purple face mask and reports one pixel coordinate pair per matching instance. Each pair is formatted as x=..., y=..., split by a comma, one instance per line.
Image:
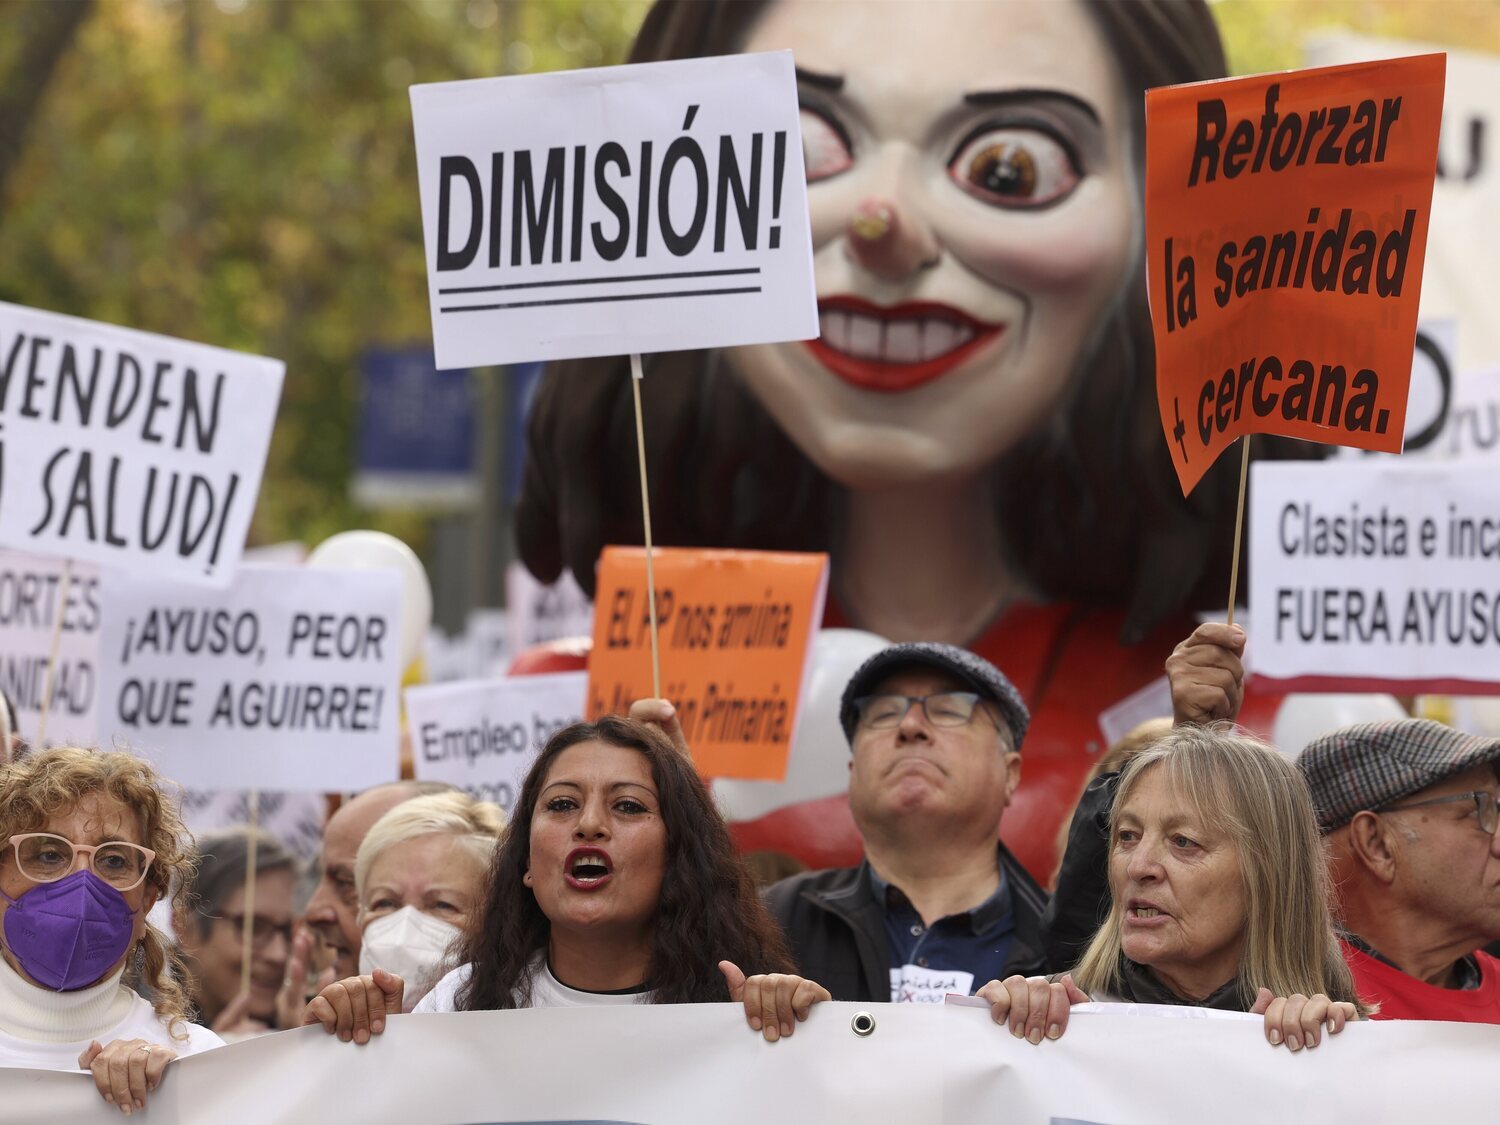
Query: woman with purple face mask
x=88, y=844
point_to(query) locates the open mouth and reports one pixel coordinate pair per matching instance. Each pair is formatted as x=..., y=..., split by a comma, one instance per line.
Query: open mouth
x=895, y=348
x=1141, y=912
x=587, y=868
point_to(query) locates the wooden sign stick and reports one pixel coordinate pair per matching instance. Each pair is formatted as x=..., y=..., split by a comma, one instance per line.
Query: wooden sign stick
x=640, y=444
x=1239, y=525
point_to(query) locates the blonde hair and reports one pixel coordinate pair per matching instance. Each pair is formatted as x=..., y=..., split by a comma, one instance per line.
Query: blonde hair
x=1261, y=801
x=47, y=783
x=451, y=813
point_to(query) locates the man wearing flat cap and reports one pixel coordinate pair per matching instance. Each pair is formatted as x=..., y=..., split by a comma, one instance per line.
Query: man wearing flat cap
x=939, y=903
x=1409, y=810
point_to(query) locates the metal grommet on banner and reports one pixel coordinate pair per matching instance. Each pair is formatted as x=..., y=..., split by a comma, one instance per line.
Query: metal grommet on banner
x=863, y=1024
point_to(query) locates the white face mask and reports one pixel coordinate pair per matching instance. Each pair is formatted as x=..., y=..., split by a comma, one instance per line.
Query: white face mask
x=411, y=944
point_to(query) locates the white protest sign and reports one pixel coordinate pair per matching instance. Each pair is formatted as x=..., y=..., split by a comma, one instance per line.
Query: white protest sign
x=286, y=679
x=1376, y=577
x=31, y=598
x=919, y=1064
x=642, y=208
x=1462, y=268
x=489, y=638
x=538, y=613
x=483, y=735
x=130, y=449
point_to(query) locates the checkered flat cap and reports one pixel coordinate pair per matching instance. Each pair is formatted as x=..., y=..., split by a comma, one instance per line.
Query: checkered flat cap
x=975, y=671
x=1370, y=765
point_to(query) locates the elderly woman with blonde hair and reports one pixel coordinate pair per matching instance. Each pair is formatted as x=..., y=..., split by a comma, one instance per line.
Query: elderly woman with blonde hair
x=419, y=874
x=1219, y=899
x=88, y=844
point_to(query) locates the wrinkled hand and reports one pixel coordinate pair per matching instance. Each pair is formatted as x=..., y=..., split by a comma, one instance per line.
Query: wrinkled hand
x=126, y=1070
x=1298, y=1020
x=774, y=1002
x=291, y=998
x=662, y=715
x=1206, y=675
x=1035, y=1007
x=356, y=1007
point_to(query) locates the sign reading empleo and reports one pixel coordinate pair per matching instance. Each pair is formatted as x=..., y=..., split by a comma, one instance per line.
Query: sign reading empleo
x=1376, y=577
x=33, y=596
x=644, y=208
x=483, y=735
x=735, y=627
x=286, y=679
x=1286, y=222
x=130, y=449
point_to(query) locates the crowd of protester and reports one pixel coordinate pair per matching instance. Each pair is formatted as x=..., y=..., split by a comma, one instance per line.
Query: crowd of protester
x=1203, y=867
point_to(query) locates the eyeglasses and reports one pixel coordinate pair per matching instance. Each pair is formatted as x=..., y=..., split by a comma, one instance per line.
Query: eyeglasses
x=1486, y=807
x=45, y=858
x=943, y=709
x=262, y=929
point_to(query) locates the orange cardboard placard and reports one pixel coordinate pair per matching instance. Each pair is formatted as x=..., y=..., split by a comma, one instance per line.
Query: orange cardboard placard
x=1286, y=224
x=735, y=630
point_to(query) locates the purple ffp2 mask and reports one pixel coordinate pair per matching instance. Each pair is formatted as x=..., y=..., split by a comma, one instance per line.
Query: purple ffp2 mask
x=66, y=935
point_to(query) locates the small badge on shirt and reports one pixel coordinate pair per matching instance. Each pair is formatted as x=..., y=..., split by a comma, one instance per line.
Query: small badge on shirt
x=912, y=984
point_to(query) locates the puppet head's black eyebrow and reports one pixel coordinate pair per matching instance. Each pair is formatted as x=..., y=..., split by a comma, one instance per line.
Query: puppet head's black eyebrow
x=833, y=83
x=1007, y=97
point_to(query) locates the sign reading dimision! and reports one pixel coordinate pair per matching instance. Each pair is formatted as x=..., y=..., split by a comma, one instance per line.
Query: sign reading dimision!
x=1286, y=222
x=130, y=449
x=736, y=628
x=644, y=208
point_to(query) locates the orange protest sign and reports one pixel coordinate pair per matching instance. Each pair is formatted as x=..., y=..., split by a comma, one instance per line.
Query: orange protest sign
x=1286, y=223
x=735, y=631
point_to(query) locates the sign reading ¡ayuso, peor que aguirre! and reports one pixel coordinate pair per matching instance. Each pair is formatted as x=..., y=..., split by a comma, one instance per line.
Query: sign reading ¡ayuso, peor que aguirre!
x=644, y=208
x=130, y=449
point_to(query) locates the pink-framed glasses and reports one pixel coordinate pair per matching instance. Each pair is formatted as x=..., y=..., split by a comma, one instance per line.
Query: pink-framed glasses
x=45, y=857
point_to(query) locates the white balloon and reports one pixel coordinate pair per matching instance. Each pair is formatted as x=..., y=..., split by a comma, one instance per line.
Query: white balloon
x=375, y=550
x=1304, y=717
x=818, y=765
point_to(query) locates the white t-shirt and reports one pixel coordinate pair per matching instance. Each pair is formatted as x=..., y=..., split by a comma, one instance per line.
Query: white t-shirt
x=45, y=1030
x=546, y=992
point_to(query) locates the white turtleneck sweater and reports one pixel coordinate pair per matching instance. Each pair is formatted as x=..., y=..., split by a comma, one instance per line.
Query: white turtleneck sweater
x=45, y=1030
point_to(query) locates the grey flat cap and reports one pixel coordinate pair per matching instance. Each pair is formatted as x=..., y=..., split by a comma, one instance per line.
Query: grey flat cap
x=1370, y=765
x=975, y=671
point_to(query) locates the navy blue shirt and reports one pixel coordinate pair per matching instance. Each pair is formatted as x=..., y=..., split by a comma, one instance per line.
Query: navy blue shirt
x=958, y=953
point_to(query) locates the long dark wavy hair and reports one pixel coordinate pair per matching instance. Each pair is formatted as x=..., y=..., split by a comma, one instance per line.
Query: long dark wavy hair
x=709, y=911
x=1089, y=507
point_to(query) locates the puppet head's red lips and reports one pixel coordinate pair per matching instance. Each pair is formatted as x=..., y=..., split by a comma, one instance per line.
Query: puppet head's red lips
x=897, y=347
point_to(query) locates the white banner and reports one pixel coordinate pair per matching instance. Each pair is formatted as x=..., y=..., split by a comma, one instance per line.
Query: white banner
x=918, y=1065
x=483, y=735
x=286, y=679
x=623, y=209
x=31, y=598
x=127, y=448
x=536, y=614
x=1376, y=577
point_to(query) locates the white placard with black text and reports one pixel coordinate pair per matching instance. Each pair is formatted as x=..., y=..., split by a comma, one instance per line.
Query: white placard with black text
x=286, y=679
x=130, y=449
x=1376, y=577
x=644, y=208
x=483, y=735
x=31, y=598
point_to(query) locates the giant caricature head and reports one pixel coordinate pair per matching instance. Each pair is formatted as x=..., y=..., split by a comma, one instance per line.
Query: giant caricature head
x=971, y=231
x=974, y=181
